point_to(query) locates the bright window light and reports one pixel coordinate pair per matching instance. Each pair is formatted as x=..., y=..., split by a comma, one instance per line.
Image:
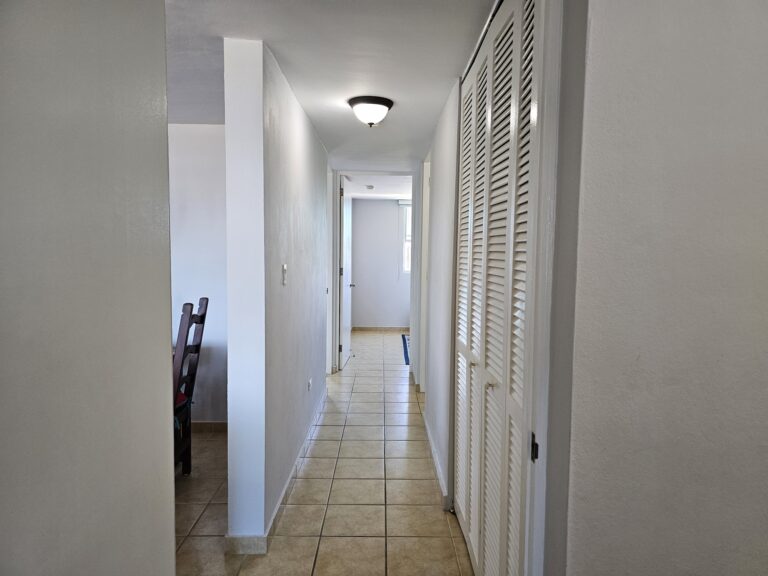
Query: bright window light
x=407, y=228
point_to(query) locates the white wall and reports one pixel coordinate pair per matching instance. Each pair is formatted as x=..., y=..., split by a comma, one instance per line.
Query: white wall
x=246, y=292
x=440, y=290
x=382, y=292
x=197, y=175
x=295, y=194
x=85, y=367
x=276, y=215
x=669, y=428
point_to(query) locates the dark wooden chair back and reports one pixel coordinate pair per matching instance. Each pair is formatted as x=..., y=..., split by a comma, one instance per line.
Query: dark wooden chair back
x=186, y=358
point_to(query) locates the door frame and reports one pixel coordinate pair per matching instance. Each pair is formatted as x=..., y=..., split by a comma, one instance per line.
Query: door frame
x=336, y=253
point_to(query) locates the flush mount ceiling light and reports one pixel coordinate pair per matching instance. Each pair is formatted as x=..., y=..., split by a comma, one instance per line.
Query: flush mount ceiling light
x=370, y=109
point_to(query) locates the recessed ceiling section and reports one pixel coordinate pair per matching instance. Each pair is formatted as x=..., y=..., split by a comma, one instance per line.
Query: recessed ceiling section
x=377, y=186
x=410, y=51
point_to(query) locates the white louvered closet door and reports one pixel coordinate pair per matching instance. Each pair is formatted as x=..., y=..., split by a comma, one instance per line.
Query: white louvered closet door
x=497, y=198
x=463, y=358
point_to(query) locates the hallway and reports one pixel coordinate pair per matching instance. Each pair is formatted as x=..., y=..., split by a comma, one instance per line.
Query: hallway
x=364, y=500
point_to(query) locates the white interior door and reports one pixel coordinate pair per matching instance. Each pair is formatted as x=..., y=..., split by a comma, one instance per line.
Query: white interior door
x=345, y=277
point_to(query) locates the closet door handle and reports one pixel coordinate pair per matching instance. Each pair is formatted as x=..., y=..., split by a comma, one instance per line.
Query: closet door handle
x=490, y=385
x=352, y=285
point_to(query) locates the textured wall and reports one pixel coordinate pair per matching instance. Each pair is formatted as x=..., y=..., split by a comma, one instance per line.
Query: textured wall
x=86, y=481
x=295, y=196
x=669, y=434
x=440, y=313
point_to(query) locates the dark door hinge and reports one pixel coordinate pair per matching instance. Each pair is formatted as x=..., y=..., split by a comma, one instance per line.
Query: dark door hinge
x=534, y=448
x=341, y=271
x=339, y=347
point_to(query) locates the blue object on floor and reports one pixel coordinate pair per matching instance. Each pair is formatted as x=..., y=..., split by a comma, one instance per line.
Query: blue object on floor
x=406, y=345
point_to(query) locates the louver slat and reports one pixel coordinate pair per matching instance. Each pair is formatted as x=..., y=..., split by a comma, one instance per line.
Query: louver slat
x=514, y=463
x=462, y=401
x=466, y=171
x=492, y=490
x=498, y=200
x=522, y=193
x=478, y=208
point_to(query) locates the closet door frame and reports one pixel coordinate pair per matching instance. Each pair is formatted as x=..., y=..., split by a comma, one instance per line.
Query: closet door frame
x=547, y=72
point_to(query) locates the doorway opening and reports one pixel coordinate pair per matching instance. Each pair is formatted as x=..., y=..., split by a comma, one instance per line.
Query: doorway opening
x=375, y=244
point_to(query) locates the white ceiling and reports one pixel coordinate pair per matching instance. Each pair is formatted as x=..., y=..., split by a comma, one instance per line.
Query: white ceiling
x=385, y=187
x=330, y=50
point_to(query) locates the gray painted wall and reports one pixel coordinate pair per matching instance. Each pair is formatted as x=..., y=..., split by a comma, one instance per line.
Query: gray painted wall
x=295, y=196
x=669, y=451
x=85, y=367
x=440, y=291
x=381, y=297
x=197, y=171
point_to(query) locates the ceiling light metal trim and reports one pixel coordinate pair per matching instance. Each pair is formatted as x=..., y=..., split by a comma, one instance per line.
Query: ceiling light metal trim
x=370, y=102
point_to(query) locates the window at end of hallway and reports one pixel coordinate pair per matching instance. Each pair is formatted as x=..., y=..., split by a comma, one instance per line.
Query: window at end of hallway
x=407, y=239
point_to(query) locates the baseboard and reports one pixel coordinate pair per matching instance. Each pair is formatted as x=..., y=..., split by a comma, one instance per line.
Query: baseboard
x=294, y=472
x=400, y=330
x=246, y=544
x=447, y=500
x=209, y=426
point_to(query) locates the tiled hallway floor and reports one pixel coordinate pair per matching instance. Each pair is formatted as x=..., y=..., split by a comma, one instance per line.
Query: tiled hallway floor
x=365, y=500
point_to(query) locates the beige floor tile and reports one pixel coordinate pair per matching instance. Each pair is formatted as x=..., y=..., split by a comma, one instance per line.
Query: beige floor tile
x=366, y=397
x=421, y=557
x=209, y=466
x=410, y=468
x=327, y=432
x=413, y=492
x=417, y=521
x=212, y=522
x=331, y=419
x=187, y=515
x=351, y=557
x=193, y=490
x=405, y=433
x=339, y=396
x=354, y=520
x=205, y=556
x=286, y=556
x=300, y=521
x=404, y=420
x=340, y=386
x=399, y=397
x=406, y=449
x=317, y=468
x=454, y=526
x=368, y=381
x=357, y=492
x=362, y=449
x=366, y=407
x=310, y=491
x=462, y=556
x=401, y=408
x=365, y=420
x=222, y=494
x=368, y=388
x=370, y=372
x=360, y=468
x=323, y=449
x=334, y=407
x=364, y=433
